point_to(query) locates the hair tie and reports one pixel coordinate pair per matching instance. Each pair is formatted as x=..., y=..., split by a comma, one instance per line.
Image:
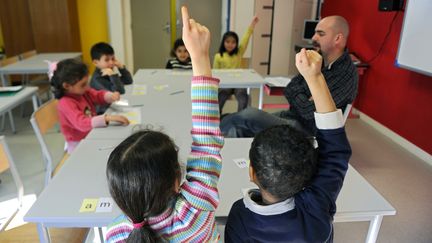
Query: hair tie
x=139, y=225
x=52, y=66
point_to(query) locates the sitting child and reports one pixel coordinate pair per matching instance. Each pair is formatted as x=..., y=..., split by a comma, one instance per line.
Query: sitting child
x=298, y=185
x=181, y=59
x=110, y=74
x=143, y=172
x=76, y=106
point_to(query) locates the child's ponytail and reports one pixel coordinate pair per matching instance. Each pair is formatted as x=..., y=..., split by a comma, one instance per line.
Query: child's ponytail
x=143, y=172
x=142, y=234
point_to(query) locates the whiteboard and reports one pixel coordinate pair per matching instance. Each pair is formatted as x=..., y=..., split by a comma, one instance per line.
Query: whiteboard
x=415, y=45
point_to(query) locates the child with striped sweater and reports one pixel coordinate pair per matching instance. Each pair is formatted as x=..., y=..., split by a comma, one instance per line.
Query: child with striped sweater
x=143, y=172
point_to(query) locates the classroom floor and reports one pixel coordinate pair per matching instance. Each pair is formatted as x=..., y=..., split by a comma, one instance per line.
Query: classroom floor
x=399, y=176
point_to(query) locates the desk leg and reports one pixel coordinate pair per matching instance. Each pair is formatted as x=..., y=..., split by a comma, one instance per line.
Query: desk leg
x=101, y=237
x=44, y=236
x=374, y=228
x=261, y=96
x=35, y=102
x=11, y=121
x=4, y=81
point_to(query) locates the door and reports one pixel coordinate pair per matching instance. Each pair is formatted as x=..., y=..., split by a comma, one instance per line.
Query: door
x=208, y=13
x=150, y=35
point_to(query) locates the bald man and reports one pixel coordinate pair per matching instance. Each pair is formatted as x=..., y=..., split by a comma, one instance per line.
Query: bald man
x=330, y=41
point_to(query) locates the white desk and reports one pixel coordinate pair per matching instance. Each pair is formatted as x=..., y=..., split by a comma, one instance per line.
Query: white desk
x=7, y=103
x=83, y=176
x=34, y=65
x=357, y=201
x=229, y=78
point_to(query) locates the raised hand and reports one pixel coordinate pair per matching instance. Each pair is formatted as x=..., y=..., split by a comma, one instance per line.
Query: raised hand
x=254, y=21
x=197, y=41
x=308, y=63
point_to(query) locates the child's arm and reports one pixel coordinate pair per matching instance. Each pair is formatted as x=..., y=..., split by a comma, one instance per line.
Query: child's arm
x=204, y=162
x=245, y=39
x=106, y=97
x=99, y=82
x=126, y=77
x=217, y=61
x=333, y=146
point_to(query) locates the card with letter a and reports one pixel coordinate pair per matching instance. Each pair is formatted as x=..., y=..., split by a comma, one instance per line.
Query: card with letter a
x=88, y=205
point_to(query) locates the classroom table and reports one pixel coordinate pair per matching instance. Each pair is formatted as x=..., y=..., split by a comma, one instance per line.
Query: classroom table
x=34, y=65
x=358, y=200
x=229, y=78
x=83, y=175
x=12, y=100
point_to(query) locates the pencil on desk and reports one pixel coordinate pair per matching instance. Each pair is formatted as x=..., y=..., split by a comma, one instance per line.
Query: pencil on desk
x=177, y=92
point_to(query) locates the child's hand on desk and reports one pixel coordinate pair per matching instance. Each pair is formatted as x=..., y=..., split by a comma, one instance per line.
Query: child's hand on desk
x=197, y=41
x=115, y=96
x=116, y=119
x=107, y=71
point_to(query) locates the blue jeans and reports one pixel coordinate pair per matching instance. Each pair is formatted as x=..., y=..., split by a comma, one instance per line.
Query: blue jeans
x=251, y=121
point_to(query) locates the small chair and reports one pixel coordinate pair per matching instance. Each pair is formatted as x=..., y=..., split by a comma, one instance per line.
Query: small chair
x=28, y=54
x=6, y=162
x=42, y=120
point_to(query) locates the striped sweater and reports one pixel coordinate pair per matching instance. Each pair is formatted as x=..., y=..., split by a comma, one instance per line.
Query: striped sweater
x=191, y=217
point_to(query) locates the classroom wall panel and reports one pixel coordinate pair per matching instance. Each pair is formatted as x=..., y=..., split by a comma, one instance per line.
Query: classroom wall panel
x=93, y=25
x=397, y=98
x=16, y=26
x=55, y=25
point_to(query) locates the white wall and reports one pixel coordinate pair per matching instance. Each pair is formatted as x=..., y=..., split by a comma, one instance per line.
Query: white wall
x=119, y=22
x=242, y=12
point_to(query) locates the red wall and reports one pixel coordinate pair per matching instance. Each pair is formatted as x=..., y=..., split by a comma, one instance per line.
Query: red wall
x=397, y=98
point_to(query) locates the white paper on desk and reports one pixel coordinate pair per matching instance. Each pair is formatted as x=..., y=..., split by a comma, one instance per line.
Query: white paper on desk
x=133, y=114
x=105, y=205
x=241, y=163
x=117, y=105
x=277, y=81
x=11, y=88
x=139, y=89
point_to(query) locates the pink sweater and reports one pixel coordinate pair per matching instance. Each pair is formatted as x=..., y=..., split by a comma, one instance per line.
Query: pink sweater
x=77, y=113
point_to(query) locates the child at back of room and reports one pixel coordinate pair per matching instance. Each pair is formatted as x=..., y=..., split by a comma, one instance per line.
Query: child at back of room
x=76, y=106
x=144, y=175
x=110, y=74
x=229, y=57
x=181, y=59
x=298, y=184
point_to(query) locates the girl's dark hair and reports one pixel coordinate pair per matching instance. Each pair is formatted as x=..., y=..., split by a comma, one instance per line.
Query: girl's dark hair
x=142, y=173
x=283, y=159
x=222, y=46
x=179, y=42
x=68, y=71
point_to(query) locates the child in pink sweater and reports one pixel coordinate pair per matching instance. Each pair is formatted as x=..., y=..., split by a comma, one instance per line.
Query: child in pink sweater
x=76, y=106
